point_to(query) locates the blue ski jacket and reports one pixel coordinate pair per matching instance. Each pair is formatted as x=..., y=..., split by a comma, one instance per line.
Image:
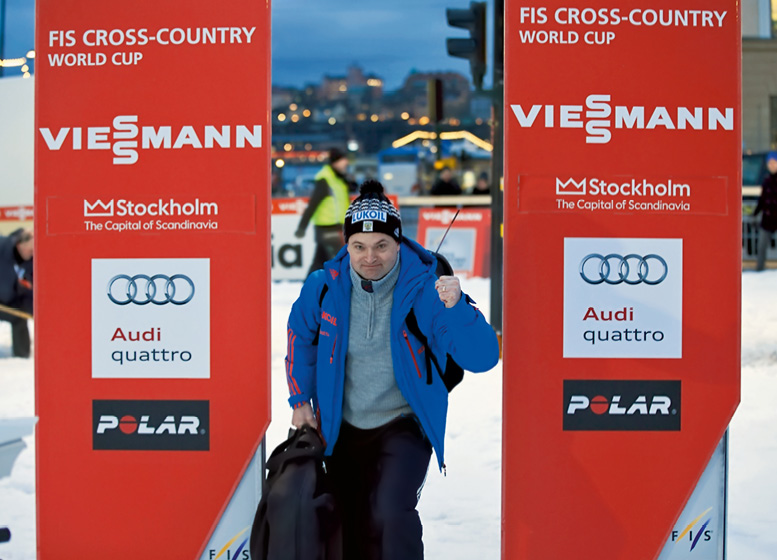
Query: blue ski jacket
x=318, y=338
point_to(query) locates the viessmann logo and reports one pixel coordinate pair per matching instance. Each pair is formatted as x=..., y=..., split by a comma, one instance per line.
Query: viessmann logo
x=598, y=117
x=636, y=188
x=623, y=405
x=156, y=208
x=125, y=137
x=151, y=425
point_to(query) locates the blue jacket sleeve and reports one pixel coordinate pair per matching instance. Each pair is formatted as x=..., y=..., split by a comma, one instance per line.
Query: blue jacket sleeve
x=301, y=332
x=462, y=331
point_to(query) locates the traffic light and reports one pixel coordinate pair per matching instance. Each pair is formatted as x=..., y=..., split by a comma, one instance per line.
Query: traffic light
x=474, y=49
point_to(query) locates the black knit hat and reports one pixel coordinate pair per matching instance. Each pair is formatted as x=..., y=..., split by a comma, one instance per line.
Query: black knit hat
x=372, y=212
x=336, y=154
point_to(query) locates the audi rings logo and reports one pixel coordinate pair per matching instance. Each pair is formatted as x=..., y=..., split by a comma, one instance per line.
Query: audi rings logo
x=631, y=269
x=159, y=289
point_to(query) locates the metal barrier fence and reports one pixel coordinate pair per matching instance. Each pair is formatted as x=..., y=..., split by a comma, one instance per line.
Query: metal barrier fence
x=411, y=205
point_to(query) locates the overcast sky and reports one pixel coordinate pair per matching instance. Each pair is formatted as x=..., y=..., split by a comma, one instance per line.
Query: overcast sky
x=316, y=37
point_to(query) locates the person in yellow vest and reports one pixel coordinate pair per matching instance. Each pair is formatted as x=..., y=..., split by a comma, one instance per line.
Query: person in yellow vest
x=326, y=209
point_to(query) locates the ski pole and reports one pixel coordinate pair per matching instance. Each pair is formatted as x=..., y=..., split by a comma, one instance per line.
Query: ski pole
x=447, y=230
x=15, y=312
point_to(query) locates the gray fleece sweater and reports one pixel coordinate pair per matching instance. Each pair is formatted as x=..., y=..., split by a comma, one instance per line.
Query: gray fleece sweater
x=372, y=397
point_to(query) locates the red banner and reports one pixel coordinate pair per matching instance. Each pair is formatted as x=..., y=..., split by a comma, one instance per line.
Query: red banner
x=623, y=258
x=16, y=213
x=467, y=244
x=152, y=271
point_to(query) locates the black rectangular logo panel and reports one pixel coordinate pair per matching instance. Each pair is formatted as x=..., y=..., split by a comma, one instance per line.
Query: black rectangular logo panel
x=622, y=405
x=151, y=425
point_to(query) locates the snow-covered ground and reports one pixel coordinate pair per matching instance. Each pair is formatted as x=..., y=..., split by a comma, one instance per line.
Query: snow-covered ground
x=461, y=512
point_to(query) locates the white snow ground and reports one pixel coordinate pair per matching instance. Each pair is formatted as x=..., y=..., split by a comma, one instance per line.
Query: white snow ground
x=461, y=512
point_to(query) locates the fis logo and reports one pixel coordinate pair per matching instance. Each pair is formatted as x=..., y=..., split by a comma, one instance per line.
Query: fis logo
x=362, y=215
x=227, y=553
x=695, y=534
x=151, y=425
x=621, y=405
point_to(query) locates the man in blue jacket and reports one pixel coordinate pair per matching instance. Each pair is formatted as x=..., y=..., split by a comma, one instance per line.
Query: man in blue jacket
x=353, y=360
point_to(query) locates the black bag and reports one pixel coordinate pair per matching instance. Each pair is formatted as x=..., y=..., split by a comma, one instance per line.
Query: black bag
x=297, y=517
x=453, y=372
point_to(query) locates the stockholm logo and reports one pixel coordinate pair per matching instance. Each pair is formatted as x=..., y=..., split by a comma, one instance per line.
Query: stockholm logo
x=99, y=208
x=570, y=186
x=362, y=215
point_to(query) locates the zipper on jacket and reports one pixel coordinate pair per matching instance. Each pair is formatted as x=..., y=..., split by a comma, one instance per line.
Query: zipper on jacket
x=412, y=354
x=332, y=355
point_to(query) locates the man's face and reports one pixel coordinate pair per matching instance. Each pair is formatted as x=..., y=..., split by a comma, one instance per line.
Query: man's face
x=373, y=255
x=341, y=165
x=771, y=165
x=446, y=175
x=25, y=247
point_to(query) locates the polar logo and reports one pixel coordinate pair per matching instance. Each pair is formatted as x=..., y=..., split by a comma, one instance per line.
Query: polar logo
x=570, y=186
x=660, y=404
x=130, y=425
x=362, y=215
x=622, y=405
x=150, y=425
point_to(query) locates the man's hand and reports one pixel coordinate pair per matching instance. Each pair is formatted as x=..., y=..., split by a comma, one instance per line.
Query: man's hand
x=302, y=416
x=449, y=290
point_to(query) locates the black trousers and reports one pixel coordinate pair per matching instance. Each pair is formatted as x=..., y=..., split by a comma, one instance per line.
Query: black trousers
x=329, y=240
x=378, y=475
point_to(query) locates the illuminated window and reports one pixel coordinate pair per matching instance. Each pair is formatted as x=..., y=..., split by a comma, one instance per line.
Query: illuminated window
x=774, y=18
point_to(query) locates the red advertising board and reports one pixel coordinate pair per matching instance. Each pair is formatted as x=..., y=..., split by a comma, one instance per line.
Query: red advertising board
x=466, y=244
x=622, y=268
x=152, y=271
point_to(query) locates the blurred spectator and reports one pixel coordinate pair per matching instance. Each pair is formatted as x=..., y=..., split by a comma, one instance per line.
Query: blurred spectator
x=326, y=209
x=445, y=184
x=16, y=286
x=482, y=186
x=767, y=207
x=277, y=184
